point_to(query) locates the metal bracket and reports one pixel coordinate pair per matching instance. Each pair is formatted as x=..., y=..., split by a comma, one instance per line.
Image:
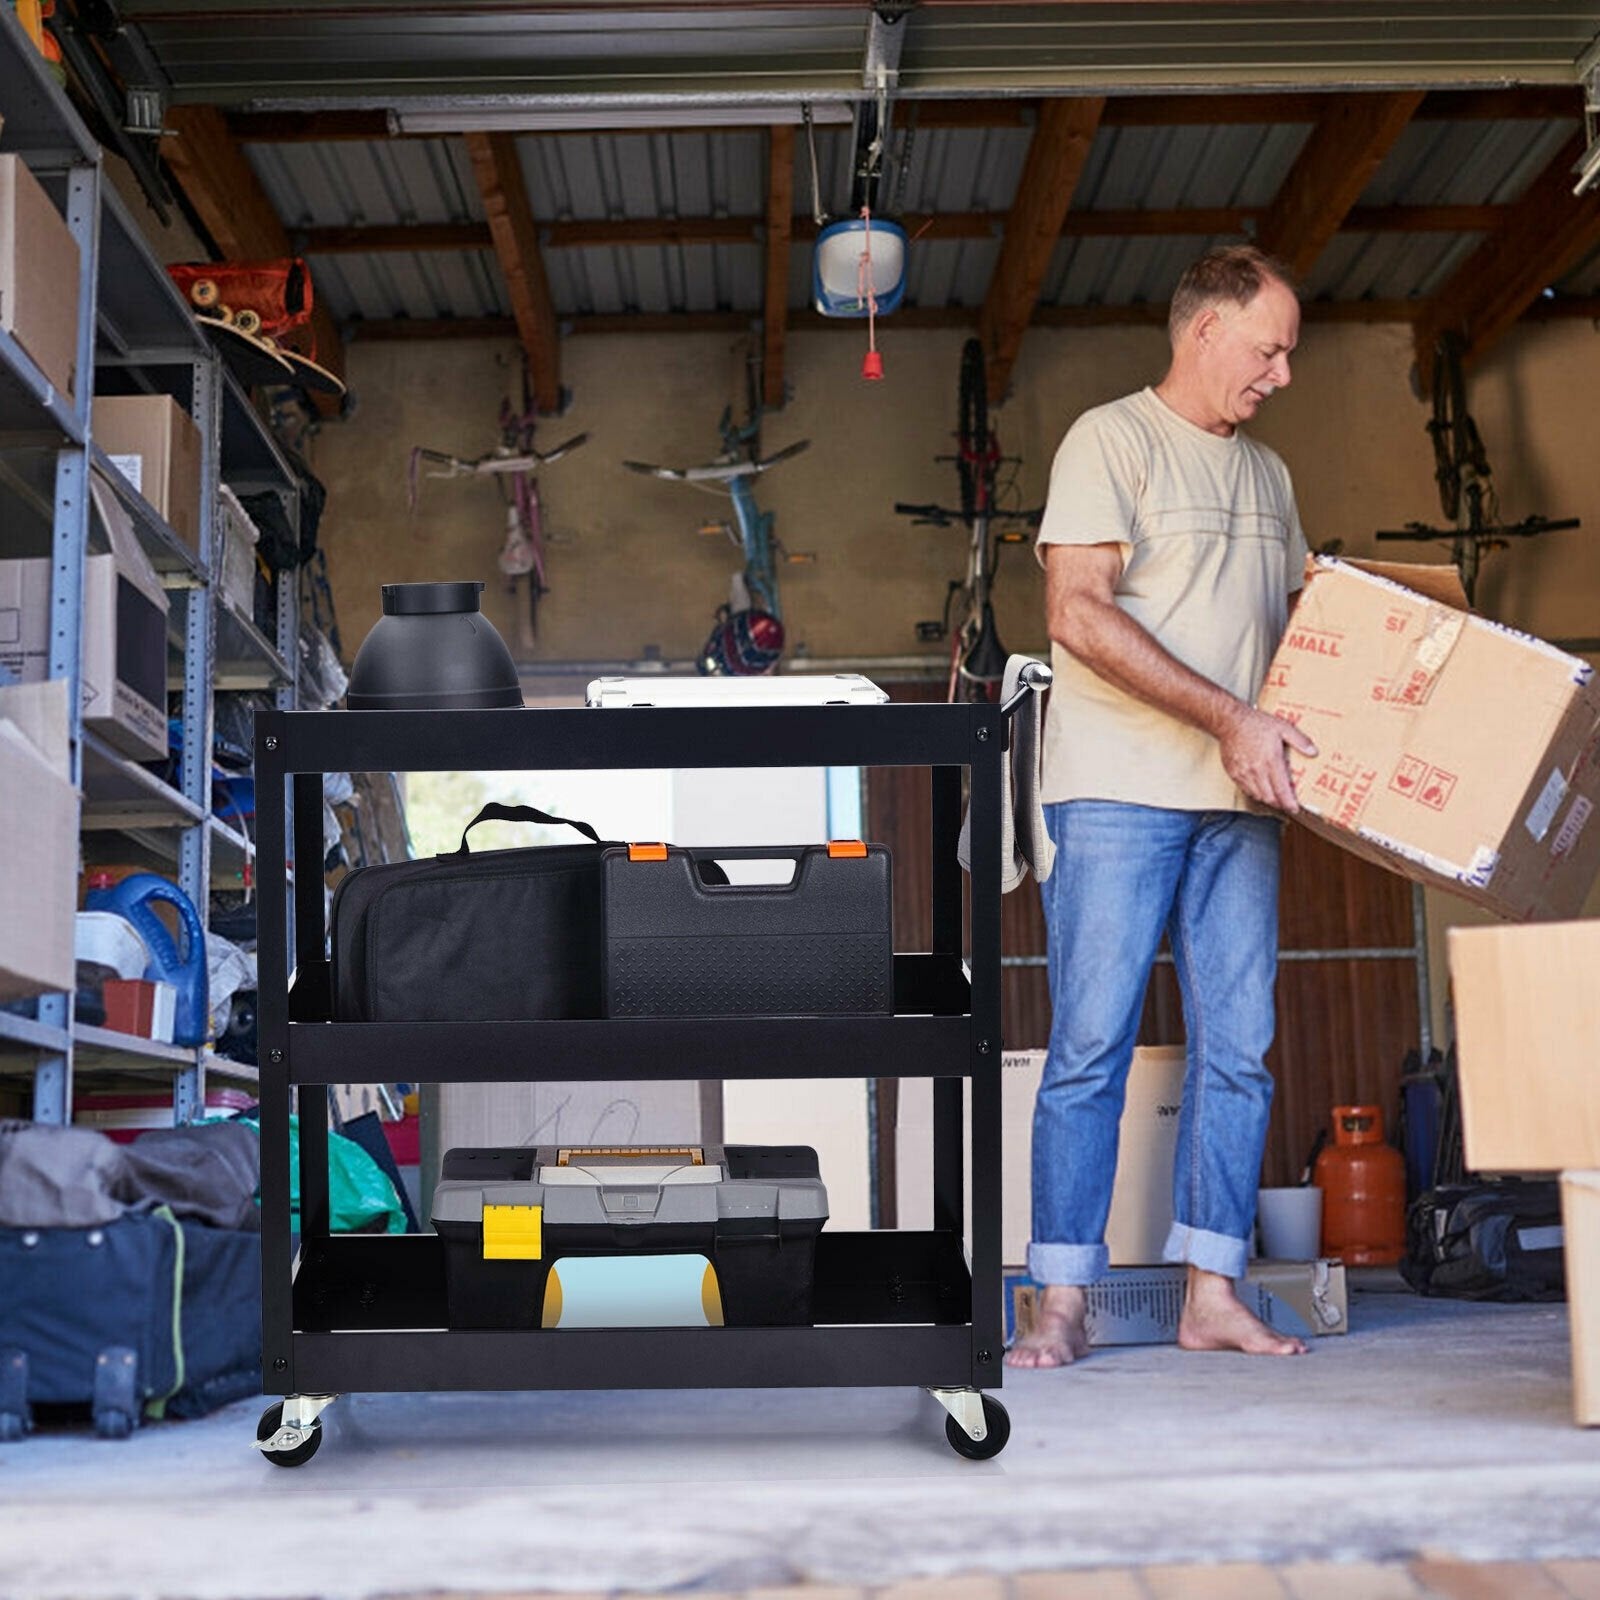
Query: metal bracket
x=300, y=1414
x=966, y=1406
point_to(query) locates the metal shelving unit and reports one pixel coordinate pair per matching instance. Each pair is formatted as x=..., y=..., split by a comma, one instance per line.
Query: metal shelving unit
x=135, y=335
x=368, y=1313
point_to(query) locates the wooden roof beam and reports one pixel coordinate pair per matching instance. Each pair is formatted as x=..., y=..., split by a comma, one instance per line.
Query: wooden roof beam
x=498, y=170
x=1093, y=223
x=1544, y=234
x=1055, y=162
x=221, y=187
x=780, y=219
x=1347, y=146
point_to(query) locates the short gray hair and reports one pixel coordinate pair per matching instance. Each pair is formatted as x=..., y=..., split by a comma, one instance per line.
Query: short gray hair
x=1230, y=272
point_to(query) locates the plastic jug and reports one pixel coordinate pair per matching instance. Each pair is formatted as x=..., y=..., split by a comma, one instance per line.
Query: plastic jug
x=1363, y=1183
x=182, y=963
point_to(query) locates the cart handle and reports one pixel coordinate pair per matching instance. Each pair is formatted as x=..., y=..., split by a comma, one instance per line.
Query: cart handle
x=1034, y=678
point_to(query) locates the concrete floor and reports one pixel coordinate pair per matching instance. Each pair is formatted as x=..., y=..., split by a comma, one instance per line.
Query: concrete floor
x=1434, y=1427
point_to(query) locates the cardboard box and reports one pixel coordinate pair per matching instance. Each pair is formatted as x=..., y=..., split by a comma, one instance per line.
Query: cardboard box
x=38, y=842
x=1451, y=750
x=237, y=538
x=124, y=634
x=158, y=449
x=1580, y=1222
x=38, y=275
x=1141, y=1196
x=1142, y=1305
x=1527, y=1007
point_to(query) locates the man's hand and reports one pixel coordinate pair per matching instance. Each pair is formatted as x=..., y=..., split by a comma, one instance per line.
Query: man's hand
x=1253, y=755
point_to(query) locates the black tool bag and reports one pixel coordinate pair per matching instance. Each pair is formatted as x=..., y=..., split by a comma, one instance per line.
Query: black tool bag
x=501, y=936
x=1497, y=1239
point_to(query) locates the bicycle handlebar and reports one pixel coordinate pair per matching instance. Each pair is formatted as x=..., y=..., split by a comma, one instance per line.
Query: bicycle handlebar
x=943, y=516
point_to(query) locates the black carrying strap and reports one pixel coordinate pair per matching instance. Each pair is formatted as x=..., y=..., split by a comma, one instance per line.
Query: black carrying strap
x=493, y=812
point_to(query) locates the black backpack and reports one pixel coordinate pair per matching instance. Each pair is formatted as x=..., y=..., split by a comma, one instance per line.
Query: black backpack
x=1495, y=1239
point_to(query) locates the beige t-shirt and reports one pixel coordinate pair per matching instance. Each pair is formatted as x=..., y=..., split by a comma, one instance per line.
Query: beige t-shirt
x=1211, y=548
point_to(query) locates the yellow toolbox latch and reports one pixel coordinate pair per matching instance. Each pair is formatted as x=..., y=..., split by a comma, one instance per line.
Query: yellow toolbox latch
x=513, y=1233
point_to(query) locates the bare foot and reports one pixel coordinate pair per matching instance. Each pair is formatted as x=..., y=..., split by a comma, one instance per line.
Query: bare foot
x=1057, y=1338
x=1214, y=1318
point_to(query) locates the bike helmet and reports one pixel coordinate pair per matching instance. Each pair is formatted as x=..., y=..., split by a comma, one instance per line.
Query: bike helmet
x=742, y=644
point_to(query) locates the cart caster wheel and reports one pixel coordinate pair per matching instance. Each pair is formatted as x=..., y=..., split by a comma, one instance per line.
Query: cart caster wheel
x=998, y=1423
x=113, y=1424
x=271, y=1421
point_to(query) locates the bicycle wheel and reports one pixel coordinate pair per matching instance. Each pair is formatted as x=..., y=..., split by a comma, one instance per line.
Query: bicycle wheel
x=972, y=457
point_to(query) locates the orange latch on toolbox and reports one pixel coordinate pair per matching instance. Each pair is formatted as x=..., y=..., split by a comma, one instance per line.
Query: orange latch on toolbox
x=647, y=852
x=847, y=848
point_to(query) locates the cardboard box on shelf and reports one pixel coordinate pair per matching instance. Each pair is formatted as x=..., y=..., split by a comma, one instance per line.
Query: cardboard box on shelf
x=124, y=634
x=157, y=448
x=1142, y=1305
x=1580, y=1223
x=1451, y=749
x=1141, y=1197
x=38, y=841
x=38, y=275
x=237, y=538
x=1527, y=1010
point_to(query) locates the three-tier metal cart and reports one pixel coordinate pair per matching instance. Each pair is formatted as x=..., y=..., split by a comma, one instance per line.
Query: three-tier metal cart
x=357, y=1312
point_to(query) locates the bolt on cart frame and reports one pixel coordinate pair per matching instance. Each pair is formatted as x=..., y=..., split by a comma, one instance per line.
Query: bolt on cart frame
x=364, y=1312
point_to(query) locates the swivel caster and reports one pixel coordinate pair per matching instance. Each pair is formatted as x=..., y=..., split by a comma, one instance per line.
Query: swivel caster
x=972, y=1412
x=290, y=1431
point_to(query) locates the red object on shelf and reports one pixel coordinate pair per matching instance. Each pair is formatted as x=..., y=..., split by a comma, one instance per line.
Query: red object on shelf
x=278, y=292
x=123, y=1117
x=405, y=1141
x=130, y=1005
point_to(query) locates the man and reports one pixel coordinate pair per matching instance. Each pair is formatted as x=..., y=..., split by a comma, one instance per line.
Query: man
x=1171, y=545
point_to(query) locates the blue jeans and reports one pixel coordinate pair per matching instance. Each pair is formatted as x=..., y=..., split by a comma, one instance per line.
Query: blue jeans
x=1123, y=875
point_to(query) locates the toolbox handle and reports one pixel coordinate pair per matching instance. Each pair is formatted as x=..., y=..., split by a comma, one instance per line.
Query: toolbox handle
x=494, y=812
x=708, y=873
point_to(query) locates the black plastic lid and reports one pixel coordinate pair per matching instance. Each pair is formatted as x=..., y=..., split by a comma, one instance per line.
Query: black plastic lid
x=429, y=599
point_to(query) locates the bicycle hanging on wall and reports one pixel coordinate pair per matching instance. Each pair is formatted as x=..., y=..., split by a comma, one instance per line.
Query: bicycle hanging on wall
x=514, y=464
x=977, y=657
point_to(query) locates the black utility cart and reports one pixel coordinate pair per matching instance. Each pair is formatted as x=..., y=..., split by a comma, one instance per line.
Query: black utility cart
x=364, y=1312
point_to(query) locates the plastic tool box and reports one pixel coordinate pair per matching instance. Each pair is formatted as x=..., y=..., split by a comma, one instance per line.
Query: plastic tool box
x=522, y=1226
x=679, y=944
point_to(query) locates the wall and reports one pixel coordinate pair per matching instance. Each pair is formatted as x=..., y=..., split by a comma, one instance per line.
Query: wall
x=630, y=572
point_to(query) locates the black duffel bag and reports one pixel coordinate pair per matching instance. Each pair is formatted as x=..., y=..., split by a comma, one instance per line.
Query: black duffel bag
x=1494, y=1239
x=501, y=936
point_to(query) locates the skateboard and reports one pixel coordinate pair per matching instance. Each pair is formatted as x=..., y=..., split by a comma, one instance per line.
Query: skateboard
x=256, y=358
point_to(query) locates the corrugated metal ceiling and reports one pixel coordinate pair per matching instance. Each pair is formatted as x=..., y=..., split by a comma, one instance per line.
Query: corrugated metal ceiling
x=722, y=173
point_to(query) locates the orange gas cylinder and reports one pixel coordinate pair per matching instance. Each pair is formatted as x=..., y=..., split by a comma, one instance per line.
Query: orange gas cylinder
x=1363, y=1183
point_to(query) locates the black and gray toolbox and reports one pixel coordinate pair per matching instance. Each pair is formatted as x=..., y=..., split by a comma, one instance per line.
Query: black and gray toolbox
x=632, y=1235
x=681, y=941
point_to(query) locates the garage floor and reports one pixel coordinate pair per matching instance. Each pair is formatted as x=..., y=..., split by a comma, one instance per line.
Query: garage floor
x=1434, y=1428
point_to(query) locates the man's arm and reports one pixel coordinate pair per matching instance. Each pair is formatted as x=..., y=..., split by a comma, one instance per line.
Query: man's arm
x=1085, y=619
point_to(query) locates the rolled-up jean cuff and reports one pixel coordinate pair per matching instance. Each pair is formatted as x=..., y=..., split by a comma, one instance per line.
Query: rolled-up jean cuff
x=1076, y=1264
x=1210, y=1252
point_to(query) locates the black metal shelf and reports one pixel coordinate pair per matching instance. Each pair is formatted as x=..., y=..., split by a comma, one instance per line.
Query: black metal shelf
x=365, y=1313
x=370, y=1315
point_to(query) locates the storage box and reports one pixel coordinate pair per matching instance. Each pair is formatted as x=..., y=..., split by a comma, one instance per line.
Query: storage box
x=1580, y=1223
x=237, y=538
x=512, y=1219
x=123, y=1117
x=38, y=842
x=681, y=941
x=140, y=1006
x=124, y=634
x=39, y=266
x=1451, y=749
x=1527, y=1008
x=1142, y=1305
x=158, y=449
x=1141, y=1196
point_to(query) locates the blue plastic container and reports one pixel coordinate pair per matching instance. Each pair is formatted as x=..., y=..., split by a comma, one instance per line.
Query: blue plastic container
x=180, y=962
